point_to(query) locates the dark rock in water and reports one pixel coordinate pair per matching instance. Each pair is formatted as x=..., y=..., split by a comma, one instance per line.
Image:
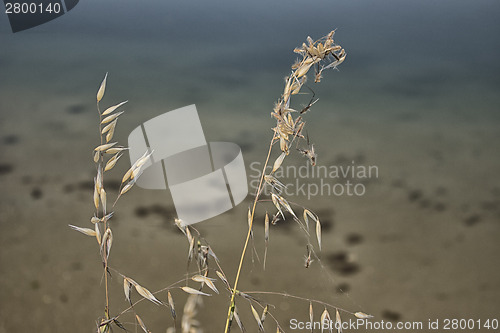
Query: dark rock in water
x=86, y=185
x=439, y=206
x=6, y=168
x=76, y=109
x=340, y=263
x=424, y=203
x=399, y=183
x=354, y=239
x=76, y=266
x=343, y=287
x=68, y=188
x=35, y=284
x=36, y=193
x=415, y=195
x=490, y=205
x=472, y=219
x=10, y=139
x=391, y=315
x=141, y=211
x=165, y=213
x=440, y=191
x=63, y=298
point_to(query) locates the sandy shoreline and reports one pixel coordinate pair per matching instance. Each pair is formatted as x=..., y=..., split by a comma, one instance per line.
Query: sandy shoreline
x=418, y=245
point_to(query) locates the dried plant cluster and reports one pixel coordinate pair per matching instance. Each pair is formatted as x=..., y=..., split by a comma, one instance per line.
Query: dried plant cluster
x=201, y=280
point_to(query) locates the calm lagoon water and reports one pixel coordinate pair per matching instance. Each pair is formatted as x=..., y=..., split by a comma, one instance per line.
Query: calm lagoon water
x=418, y=96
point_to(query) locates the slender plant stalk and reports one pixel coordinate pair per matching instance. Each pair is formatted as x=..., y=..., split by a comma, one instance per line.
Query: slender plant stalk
x=315, y=54
x=106, y=311
x=250, y=225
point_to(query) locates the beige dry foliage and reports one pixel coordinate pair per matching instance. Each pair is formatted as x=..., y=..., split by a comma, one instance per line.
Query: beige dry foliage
x=102, y=88
x=193, y=291
x=315, y=56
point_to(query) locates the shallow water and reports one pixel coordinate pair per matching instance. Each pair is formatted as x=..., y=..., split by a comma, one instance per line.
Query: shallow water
x=417, y=97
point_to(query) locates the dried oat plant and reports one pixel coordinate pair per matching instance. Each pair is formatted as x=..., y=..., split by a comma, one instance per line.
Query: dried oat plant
x=204, y=267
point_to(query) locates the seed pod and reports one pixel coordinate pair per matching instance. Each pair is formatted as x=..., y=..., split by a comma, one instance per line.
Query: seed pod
x=102, y=88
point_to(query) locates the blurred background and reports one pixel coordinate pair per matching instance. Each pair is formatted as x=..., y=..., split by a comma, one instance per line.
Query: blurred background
x=417, y=97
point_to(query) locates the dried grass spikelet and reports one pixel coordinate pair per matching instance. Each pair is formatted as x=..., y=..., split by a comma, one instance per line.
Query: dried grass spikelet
x=113, y=108
x=135, y=169
x=205, y=280
x=110, y=129
x=127, y=174
x=318, y=233
x=141, y=323
x=112, y=162
x=115, y=150
x=147, y=294
x=276, y=203
x=212, y=254
x=98, y=179
x=105, y=146
x=136, y=173
x=96, y=195
x=191, y=251
x=106, y=217
x=362, y=315
x=325, y=316
x=257, y=318
x=250, y=221
x=311, y=313
x=306, y=219
x=279, y=161
x=141, y=161
x=283, y=145
x=266, y=228
x=110, y=134
x=308, y=259
x=189, y=323
x=238, y=320
x=102, y=88
x=307, y=213
x=127, y=187
x=109, y=126
x=127, y=288
x=283, y=202
x=111, y=117
x=171, y=305
x=85, y=231
x=192, y=291
x=104, y=326
x=103, y=200
x=223, y=279
x=266, y=238
x=264, y=314
x=98, y=233
x=106, y=243
x=304, y=68
x=338, y=321
x=180, y=224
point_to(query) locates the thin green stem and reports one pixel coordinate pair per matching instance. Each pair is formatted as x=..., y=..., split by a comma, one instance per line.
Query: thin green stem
x=250, y=225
